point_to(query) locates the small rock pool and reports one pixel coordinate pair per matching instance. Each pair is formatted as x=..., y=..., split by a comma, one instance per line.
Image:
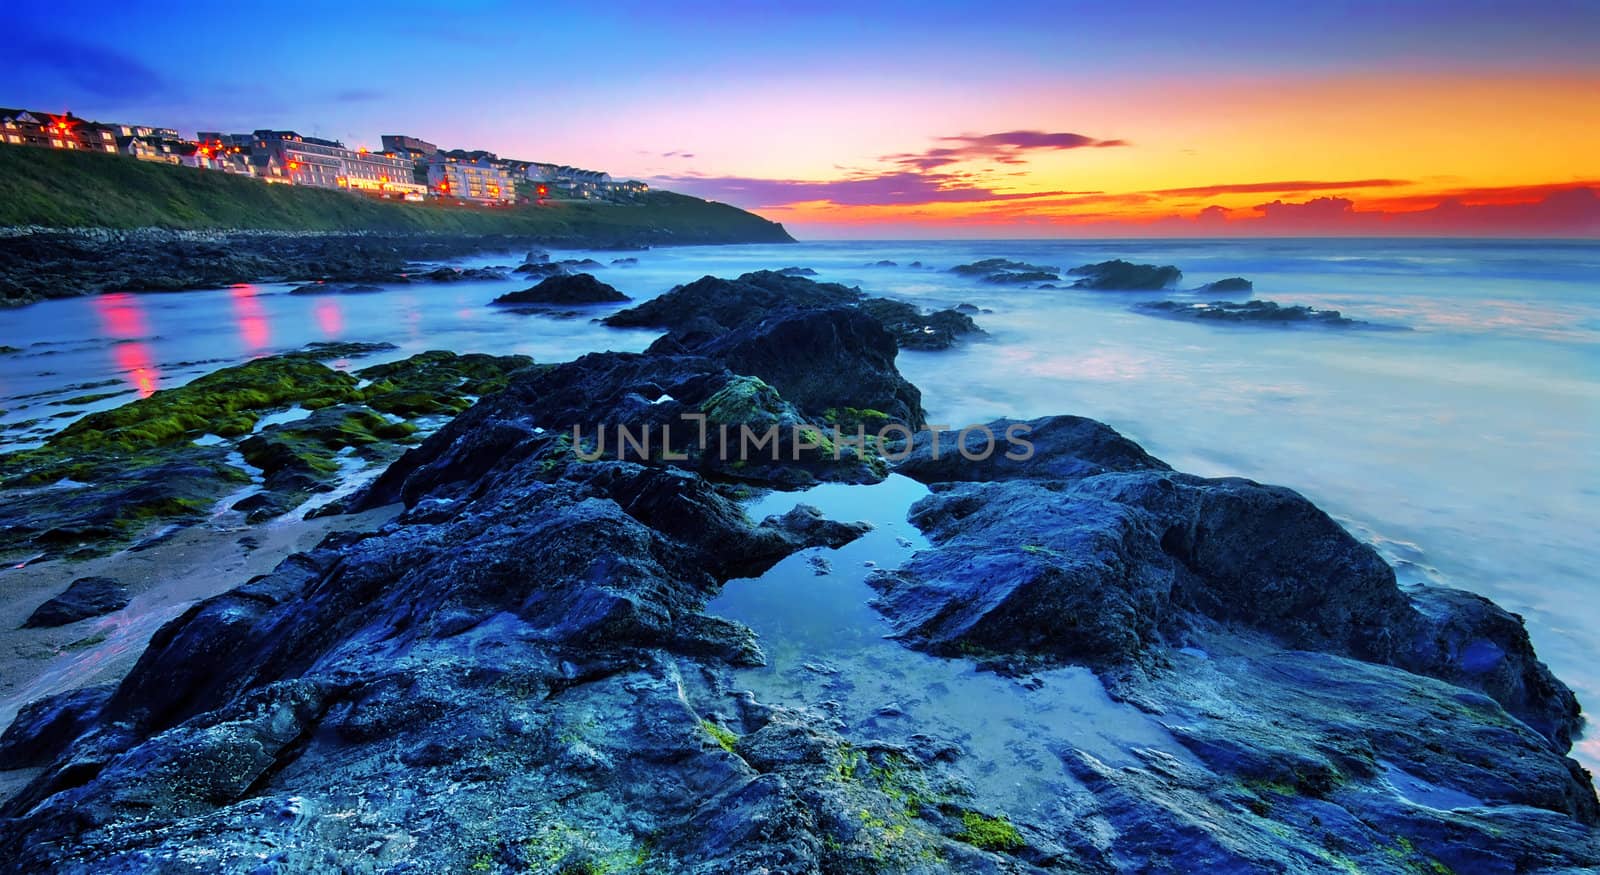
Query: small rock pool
x=827, y=649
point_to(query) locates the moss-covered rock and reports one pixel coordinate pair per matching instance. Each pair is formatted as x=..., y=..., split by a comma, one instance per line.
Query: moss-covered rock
x=111, y=474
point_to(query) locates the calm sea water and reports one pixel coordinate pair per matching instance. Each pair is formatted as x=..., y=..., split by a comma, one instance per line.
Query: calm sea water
x=1467, y=448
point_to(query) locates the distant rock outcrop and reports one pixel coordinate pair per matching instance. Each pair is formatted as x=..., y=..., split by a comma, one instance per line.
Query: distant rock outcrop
x=1232, y=284
x=1125, y=276
x=573, y=289
x=1251, y=313
x=1006, y=272
x=710, y=305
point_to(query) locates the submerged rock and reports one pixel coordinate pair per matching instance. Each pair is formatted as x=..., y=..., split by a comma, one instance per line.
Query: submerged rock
x=1250, y=313
x=454, y=274
x=335, y=289
x=1118, y=276
x=541, y=268
x=580, y=288
x=84, y=598
x=1005, y=271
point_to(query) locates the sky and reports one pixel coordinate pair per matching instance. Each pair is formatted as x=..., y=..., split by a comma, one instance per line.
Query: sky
x=909, y=120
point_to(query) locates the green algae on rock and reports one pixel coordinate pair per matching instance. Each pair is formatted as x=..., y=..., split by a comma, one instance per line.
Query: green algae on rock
x=170, y=456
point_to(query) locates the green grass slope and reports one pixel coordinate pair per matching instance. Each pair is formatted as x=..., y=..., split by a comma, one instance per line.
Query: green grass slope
x=61, y=189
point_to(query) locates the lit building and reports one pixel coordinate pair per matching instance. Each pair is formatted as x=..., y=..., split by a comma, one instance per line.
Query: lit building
x=480, y=180
x=288, y=157
x=577, y=182
x=417, y=149
x=21, y=127
x=158, y=149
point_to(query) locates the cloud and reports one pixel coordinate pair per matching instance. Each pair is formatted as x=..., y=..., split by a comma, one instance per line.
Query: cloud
x=862, y=189
x=1284, y=187
x=93, y=70
x=1007, y=147
x=359, y=95
x=677, y=154
x=1556, y=210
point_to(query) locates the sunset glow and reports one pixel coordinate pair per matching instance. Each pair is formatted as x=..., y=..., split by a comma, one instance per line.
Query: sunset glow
x=937, y=119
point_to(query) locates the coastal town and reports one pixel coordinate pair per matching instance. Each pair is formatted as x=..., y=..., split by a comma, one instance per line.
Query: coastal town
x=406, y=168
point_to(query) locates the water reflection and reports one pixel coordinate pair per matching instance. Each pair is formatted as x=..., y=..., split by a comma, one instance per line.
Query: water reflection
x=250, y=316
x=122, y=318
x=330, y=319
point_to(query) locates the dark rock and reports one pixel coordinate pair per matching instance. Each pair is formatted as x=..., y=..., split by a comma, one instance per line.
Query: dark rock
x=624, y=262
x=1094, y=552
x=1010, y=277
x=914, y=329
x=1229, y=285
x=452, y=274
x=580, y=288
x=710, y=306
x=1118, y=275
x=86, y=597
x=1048, y=448
x=817, y=359
x=335, y=289
x=1250, y=313
x=584, y=263
x=541, y=268
x=1005, y=271
x=797, y=271
x=44, y=728
x=882, y=263
x=722, y=304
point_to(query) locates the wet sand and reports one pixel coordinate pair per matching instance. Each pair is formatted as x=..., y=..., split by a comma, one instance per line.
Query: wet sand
x=163, y=579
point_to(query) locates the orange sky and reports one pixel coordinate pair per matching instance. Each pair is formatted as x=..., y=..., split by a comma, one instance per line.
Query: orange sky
x=1492, y=149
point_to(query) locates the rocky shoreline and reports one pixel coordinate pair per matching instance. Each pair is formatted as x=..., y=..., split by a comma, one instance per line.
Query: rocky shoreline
x=41, y=263
x=520, y=672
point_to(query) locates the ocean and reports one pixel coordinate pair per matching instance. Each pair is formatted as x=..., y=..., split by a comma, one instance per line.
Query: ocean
x=1465, y=447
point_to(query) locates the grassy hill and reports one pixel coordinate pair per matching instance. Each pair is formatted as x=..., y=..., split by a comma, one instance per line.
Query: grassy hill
x=62, y=189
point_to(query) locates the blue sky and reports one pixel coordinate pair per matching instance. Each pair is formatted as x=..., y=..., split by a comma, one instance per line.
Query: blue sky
x=815, y=92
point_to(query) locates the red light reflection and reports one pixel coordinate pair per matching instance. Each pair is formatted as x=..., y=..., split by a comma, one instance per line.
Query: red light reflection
x=330, y=319
x=123, y=320
x=250, y=316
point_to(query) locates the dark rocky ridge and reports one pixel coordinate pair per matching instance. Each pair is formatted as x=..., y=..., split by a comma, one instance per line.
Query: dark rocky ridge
x=710, y=305
x=1250, y=313
x=1093, y=552
x=41, y=263
x=518, y=674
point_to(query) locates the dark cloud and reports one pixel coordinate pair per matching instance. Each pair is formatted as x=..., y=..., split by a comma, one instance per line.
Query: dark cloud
x=677, y=154
x=1007, y=147
x=91, y=70
x=1285, y=187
